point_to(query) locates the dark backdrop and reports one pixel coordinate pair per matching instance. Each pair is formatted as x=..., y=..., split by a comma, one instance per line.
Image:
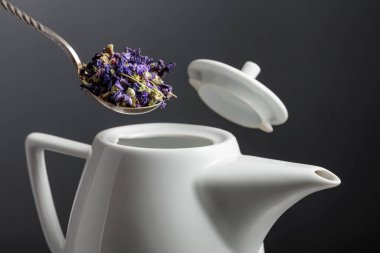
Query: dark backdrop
x=320, y=57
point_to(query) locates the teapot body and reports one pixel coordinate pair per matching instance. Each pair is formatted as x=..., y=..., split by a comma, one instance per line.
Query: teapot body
x=137, y=191
x=168, y=188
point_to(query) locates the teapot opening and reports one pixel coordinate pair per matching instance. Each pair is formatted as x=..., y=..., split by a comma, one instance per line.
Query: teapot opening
x=166, y=142
x=167, y=136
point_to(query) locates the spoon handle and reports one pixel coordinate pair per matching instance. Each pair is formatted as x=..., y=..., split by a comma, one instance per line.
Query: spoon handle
x=44, y=30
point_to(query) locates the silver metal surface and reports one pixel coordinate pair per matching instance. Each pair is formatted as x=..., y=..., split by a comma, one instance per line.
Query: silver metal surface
x=124, y=109
x=44, y=30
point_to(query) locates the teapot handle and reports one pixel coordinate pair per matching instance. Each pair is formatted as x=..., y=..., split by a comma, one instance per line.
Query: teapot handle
x=35, y=145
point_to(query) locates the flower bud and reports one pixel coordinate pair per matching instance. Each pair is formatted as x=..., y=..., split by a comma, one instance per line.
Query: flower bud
x=131, y=92
x=109, y=49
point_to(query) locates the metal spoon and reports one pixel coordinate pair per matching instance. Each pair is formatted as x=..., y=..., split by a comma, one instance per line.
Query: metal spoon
x=73, y=56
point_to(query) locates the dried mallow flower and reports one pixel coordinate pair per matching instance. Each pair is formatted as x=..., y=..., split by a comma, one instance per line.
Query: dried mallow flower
x=127, y=79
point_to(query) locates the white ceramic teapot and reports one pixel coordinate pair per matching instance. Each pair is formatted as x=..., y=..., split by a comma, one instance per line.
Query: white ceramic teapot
x=177, y=188
x=168, y=188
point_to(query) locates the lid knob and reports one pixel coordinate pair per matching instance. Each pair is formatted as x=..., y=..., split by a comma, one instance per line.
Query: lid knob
x=251, y=69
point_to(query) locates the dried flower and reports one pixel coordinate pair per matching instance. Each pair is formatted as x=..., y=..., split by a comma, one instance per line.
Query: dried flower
x=127, y=78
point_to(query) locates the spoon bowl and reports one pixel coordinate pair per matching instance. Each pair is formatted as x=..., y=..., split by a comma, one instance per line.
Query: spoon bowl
x=124, y=109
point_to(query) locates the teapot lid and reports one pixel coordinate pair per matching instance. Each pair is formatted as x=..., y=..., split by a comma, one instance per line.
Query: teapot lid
x=236, y=95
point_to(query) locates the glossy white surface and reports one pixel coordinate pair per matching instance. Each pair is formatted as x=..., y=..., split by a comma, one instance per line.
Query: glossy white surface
x=236, y=95
x=169, y=188
x=35, y=146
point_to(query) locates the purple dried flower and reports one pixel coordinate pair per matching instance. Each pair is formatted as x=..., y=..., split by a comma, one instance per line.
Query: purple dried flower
x=118, y=85
x=127, y=78
x=143, y=97
x=120, y=96
x=141, y=68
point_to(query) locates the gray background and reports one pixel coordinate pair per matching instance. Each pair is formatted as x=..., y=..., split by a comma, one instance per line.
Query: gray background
x=319, y=57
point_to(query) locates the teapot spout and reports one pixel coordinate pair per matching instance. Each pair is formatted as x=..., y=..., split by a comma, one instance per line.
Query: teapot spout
x=245, y=197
